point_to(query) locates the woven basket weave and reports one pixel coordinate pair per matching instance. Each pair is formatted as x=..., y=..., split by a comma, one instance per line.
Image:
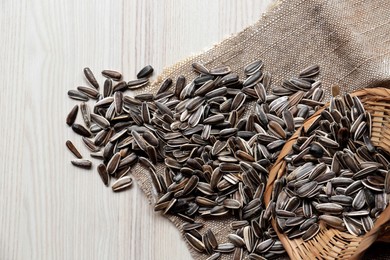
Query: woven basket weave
x=331, y=243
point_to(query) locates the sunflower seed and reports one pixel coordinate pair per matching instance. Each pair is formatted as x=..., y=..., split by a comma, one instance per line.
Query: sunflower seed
x=118, y=101
x=108, y=89
x=367, y=223
x=200, y=68
x=359, y=200
x=220, y=71
x=104, y=102
x=333, y=221
x=236, y=240
x=145, y=72
x=225, y=248
x=194, y=242
x=331, y=208
x=74, y=94
x=82, y=163
x=253, y=67
x=91, y=78
x=231, y=204
x=311, y=232
x=310, y=71
x=71, y=117
x=85, y=113
x=81, y=130
x=113, y=164
x=352, y=229
x=387, y=182
x=180, y=83
x=90, y=92
x=306, y=189
x=137, y=83
x=90, y=145
x=103, y=174
x=73, y=149
x=165, y=85
x=122, y=183
x=101, y=121
x=190, y=226
x=265, y=245
x=115, y=75
x=205, y=88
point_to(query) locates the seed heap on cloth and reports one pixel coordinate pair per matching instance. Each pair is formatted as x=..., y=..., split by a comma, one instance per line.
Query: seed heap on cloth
x=217, y=152
x=334, y=174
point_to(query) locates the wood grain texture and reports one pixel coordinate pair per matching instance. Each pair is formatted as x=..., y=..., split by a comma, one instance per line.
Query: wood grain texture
x=49, y=209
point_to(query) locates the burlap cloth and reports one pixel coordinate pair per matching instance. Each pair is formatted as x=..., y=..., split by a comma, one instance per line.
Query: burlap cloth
x=350, y=40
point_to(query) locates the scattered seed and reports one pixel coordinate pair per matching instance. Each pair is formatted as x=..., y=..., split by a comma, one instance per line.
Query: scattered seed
x=91, y=78
x=102, y=170
x=145, y=72
x=82, y=163
x=73, y=149
x=74, y=94
x=81, y=130
x=71, y=117
x=115, y=75
x=90, y=92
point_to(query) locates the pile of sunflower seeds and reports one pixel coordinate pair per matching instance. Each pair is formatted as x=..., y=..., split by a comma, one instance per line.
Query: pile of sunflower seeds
x=217, y=160
x=217, y=153
x=334, y=174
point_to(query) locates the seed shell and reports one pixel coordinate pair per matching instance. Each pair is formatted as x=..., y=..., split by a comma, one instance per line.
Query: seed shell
x=71, y=117
x=73, y=149
x=91, y=78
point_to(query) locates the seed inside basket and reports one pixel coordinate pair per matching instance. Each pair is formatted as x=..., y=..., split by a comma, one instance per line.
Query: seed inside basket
x=334, y=174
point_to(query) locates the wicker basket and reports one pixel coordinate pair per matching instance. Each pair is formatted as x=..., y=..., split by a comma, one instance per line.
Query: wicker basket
x=331, y=243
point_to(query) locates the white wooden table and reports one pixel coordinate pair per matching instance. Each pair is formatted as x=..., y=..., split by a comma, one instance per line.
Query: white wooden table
x=49, y=209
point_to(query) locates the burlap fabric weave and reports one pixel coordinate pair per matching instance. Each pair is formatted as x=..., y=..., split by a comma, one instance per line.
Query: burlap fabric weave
x=350, y=40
